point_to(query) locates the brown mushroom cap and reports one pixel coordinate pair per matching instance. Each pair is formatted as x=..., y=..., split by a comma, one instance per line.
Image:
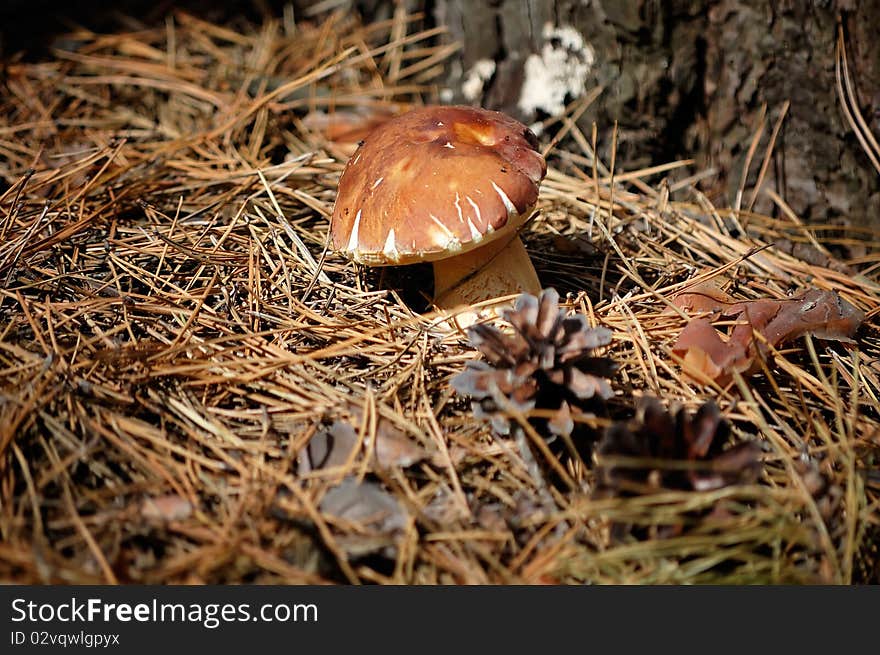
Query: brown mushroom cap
x=433, y=183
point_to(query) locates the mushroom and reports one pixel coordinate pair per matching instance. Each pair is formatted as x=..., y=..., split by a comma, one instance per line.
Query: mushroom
x=449, y=185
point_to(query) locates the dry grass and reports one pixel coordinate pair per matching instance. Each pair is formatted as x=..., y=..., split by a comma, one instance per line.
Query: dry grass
x=171, y=328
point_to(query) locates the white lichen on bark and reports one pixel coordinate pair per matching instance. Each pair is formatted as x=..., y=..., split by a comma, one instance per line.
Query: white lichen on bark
x=475, y=79
x=557, y=73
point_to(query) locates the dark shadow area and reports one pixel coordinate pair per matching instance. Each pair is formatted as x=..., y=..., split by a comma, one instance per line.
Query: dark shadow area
x=414, y=284
x=31, y=26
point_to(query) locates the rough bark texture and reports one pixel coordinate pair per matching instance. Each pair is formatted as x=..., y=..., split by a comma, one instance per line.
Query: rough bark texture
x=688, y=78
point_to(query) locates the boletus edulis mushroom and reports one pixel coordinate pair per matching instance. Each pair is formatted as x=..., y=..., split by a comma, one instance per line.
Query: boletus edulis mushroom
x=449, y=185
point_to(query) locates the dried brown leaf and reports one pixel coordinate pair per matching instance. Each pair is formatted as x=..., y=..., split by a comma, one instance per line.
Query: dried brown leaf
x=377, y=516
x=824, y=314
x=333, y=446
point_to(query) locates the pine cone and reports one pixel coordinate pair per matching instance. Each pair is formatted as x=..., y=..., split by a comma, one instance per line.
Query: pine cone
x=657, y=435
x=545, y=362
x=829, y=497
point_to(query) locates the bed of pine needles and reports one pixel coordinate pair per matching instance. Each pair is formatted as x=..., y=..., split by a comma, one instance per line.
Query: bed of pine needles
x=176, y=343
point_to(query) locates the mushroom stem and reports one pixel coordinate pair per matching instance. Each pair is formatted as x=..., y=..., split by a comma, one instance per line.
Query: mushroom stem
x=499, y=268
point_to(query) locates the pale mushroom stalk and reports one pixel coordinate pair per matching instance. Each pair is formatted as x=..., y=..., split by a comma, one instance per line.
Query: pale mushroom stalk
x=500, y=268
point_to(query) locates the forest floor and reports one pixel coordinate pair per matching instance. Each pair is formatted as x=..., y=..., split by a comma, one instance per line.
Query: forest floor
x=193, y=389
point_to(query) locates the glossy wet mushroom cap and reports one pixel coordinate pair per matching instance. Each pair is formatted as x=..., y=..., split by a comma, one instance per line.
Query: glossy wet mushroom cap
x=434, y=183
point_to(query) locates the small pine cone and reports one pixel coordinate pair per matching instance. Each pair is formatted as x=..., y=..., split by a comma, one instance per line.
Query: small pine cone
x=545, y=362
x=656, y=436
x=829, y=497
